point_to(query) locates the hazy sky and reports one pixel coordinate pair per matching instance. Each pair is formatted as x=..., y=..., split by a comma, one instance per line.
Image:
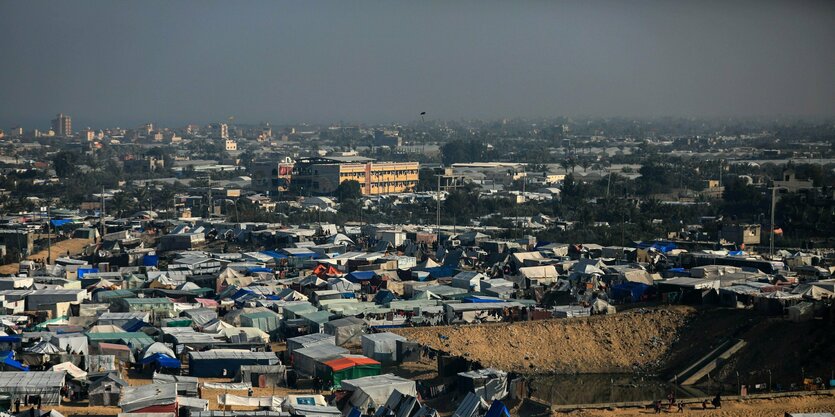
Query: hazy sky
x=124, y=62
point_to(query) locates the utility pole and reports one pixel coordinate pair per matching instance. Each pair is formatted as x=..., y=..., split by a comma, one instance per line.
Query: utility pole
x=773, y=207
x=102, y=214
x=48, y=237
x=438, y=220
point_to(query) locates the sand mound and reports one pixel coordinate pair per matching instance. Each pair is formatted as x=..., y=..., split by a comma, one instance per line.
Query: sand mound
x=626, y=342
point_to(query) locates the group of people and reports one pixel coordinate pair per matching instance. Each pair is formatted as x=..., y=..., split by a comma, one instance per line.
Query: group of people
x=33, y=400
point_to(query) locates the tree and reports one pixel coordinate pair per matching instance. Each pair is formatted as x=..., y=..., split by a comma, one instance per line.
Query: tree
x=65, y=163
x=349, y=190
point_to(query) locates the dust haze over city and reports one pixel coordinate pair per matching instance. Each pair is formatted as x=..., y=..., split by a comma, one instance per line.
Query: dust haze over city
x=417, y=209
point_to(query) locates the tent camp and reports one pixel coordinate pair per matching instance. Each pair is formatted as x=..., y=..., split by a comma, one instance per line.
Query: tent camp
x=374, y=391
x=346, y=330
x=381, y=346
x=350, y=367
x=46, y=384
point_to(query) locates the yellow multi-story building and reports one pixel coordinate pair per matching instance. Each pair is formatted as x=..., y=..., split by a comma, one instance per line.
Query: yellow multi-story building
x=323, y=175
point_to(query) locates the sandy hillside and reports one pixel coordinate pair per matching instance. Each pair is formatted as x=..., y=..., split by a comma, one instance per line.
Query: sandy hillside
x=617, y=343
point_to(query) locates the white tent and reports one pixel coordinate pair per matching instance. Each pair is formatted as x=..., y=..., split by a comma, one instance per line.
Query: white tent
x=157, y=347
x=71, y=369
x=44, y=348
x=249, y=333
x=106, y=328
x=374, y=391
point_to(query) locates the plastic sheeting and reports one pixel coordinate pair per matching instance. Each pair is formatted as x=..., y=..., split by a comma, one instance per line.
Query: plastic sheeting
x=46, y=384
x=381, y=346
x=374, y=391
x=231, y=386
x=346, y=330
x=273, y=402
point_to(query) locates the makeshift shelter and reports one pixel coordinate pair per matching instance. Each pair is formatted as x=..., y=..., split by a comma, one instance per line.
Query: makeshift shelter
x=374, y=391
x=186, y=385
x=161, y=361
x=381, y=346
x=70, y=369
x=267, y=321
x=151, y=398
x=346, y=330
x=489, y=384
x=309, y=340
x=212, y=363
x=245, y=335
x=310, y=361
x=157, y=347
x=350, y=367
x=263, y=375
x=121, y=352
x=106, y=390
x=47, y=384
x=71, y=343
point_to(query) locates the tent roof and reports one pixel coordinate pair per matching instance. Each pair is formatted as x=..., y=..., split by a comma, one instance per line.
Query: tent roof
x=349, y=362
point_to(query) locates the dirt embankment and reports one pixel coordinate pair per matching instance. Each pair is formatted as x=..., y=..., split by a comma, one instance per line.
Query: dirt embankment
x=626, y=342
x=747, y=408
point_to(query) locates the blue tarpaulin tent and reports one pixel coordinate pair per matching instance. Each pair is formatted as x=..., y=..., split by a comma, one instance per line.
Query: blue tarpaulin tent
x=274, y=254
x=258, y=269
x=360, y=276
x=150, y=260
x=633, y=291
x=441, y=271
x=85, y=271
x=477, y=299
x=161, y=359
x=497, y=409
x=134, y=325
x=60, y=222
x=8, y=362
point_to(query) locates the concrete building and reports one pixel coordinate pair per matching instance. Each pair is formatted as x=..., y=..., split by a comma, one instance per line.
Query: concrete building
x=324, y=174
x=62, y=125
x=792, y=184
x=742, y=234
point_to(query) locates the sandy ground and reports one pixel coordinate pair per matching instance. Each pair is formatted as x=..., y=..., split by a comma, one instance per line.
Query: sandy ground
x=635, y=340
x=73, y=246
x=750, y=408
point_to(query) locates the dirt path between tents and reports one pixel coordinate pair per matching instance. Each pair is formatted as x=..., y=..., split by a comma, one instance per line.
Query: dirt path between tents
x=73, y=246
x=625, y=342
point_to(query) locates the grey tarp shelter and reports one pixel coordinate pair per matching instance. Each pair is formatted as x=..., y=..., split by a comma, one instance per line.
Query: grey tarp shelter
x=381, y=347
x=375, y=390
x=307, y=361
x=346, y=330
x=263, y=375
x=309, y=340
x=47, y=384
x=186, y=385
x=144, y=396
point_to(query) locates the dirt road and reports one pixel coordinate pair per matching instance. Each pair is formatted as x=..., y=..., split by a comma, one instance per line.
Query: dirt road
x=73, y=246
